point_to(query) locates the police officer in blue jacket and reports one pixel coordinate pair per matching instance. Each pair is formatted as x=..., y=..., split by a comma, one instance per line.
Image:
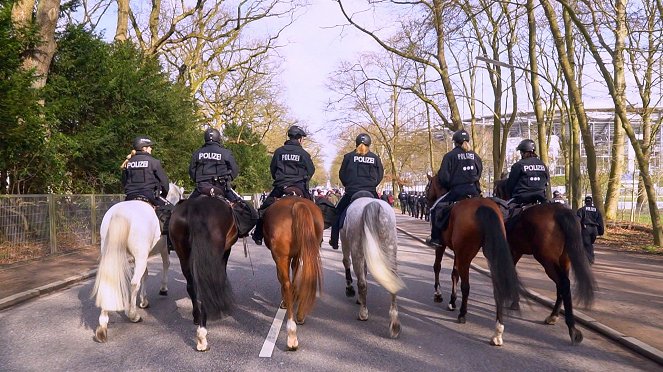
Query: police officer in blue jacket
x=291, y=166
x=459, y=173
x=213, y=167
x=361, y=170
x=143, y=178
x=528, y=177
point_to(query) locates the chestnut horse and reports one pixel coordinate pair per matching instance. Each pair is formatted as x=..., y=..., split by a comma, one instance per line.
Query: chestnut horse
x=551, y=233
x=292, y=228
x=202, y=231
x=475, y=223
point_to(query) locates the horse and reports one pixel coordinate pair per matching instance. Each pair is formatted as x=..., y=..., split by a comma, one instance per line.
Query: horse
x=292, y=230
x=129, y=232
x=203, y=231
x=369, y=235
x=475, y=223
x=551, y=233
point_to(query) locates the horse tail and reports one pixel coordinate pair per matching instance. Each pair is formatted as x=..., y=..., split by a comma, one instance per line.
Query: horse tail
x=585, y=283
x=208, y=263
x=496, y=249
x=111, y=286
x=308, y=271
x=380, y=246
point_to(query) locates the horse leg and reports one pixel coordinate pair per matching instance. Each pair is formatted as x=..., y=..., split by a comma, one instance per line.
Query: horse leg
x=190, y=289
x=454, y=288
x=394, y=323
x=143, y=303
x=139, y=269
x=282, y=271
x=515, y=305
x=101, y=333
x=554, y=315
x=497, y=340
x=165, y=258
x=362, y=286
x=554, y=273
x=565, y=290
x=349, y=290
x=437, y=266
x=201, y=332
x=464, y=272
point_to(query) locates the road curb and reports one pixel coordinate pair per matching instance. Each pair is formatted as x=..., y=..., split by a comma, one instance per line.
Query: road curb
x=632, y=343
x=18, y=298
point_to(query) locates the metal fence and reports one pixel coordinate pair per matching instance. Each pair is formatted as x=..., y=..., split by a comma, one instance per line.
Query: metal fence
x=34, y=226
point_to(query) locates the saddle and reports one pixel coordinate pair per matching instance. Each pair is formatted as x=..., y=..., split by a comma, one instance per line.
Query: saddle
x=245, y=215
x=444, y=211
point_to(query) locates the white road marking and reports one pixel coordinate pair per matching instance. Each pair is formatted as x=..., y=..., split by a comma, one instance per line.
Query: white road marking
x=270, y=341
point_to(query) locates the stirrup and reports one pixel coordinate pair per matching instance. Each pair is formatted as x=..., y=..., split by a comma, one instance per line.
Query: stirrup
x=256, y=240
x=433, y=243
x=334, y=244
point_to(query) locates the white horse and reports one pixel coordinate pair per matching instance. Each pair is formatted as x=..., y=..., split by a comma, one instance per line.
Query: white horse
x=130, y=232
x=369, y=236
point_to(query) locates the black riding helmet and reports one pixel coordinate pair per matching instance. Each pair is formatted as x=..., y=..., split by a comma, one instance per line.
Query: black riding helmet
x=296, y=132
x=461, y=136
x=363, y=138
x=212, y=135
x=526, y=145
x=588, y=199
x=142, y=141
x=556, y=193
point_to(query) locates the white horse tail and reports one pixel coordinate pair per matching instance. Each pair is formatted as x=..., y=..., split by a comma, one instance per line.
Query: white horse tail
x=111, y=286
x=380, y=246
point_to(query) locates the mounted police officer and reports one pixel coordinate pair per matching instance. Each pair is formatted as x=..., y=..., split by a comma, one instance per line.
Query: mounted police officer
x=592, y=225
x=557, y=198
x=143, y=178
x=291, y=166
x=459, y=173
x=361, y=170
x=213, y=167
x=528, y=177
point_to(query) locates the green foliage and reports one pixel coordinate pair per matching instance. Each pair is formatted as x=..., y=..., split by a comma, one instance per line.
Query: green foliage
x=100, y=96
x=252, y=158
x=25, y=152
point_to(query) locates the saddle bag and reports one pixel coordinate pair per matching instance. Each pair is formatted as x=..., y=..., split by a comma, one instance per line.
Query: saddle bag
x=328, y=211
x=246, y=217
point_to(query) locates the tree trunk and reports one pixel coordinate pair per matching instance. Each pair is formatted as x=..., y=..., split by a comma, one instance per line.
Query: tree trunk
x=534, y=81
x=122, y=20
x=616, y=171
x=46, y=19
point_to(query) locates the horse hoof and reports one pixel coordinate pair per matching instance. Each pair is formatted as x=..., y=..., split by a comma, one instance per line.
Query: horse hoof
x=282, y=304
x=163, y=292
x=437, y=298
x=461, y=319
x=576, y=336
x=349, y=291
x=451, y=307
x=293, y=344
x=515, y=306
x=551, y=320
x=497, y=341
x=196, y=321
x=300, y=322
x=101, y=335
x=202, y=349
x=394, y=329
x=144, y=305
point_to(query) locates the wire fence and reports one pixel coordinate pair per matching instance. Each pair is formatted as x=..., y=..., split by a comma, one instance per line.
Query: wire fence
x=35, y=226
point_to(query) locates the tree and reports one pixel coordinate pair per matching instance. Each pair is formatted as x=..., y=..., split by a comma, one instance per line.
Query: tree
x=252, y=158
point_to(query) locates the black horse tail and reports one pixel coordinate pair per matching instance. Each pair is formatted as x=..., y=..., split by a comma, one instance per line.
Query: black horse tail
x=208, y=259
x=506, y=284
x=585, y=283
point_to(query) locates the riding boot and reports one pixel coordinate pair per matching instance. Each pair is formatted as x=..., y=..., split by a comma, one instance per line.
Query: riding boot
x=257, y=232
x=435, y=231
x=164, y=213
x=335, y=232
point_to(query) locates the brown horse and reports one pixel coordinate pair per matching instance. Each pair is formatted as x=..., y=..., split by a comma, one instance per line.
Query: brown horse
x=475, y=223
x=551, y=233
x=202, y=231
x=293, y=229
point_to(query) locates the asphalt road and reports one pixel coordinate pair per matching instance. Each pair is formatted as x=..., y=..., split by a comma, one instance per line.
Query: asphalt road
x=55, y=332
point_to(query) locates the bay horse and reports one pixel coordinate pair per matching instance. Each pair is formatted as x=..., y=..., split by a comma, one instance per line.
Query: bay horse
x=551, y=233
x=475, y=223
x=129, y=233
x=292, y=229
x=369, y=235
x=203, y=231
